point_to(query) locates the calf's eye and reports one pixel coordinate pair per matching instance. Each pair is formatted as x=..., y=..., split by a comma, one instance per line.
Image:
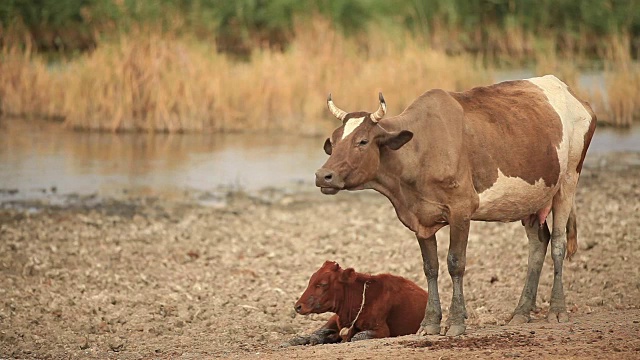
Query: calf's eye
x=363, y=142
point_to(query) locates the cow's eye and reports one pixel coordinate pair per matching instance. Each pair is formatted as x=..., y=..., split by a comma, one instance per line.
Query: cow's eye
x=322, y=285
x=363, y=142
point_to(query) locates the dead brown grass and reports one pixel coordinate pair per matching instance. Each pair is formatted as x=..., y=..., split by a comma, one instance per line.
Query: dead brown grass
x=147, y=81
x=616, y=101
x=622, y=79
x=153, y=81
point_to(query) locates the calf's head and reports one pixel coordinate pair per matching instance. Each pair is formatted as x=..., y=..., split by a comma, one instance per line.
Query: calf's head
x=325, y=289
x=354, y=149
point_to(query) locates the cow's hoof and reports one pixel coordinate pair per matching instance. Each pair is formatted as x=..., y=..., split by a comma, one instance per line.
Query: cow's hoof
x=519, y=319
x=557, y=317
x=456, y=330
x=362, y=335
x=296, y=341
x=429, y=330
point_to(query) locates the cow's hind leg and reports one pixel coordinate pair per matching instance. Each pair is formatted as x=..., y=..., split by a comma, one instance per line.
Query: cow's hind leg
x=433, y=314
x=562, y=205
x=538, y=240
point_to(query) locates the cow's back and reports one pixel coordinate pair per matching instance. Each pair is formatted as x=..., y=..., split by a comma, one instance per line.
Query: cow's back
x=517, y=136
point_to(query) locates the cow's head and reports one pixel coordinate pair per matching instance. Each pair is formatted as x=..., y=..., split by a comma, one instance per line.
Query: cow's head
x=325, y=289
x=354, y=149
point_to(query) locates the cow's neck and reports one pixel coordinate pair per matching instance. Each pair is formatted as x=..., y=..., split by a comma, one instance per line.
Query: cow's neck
x=347, y=309
x=415, y=207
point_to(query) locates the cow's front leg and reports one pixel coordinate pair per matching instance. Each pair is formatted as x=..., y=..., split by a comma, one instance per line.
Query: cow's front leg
x=456, y=260
x=327, y=334
x=538, y=240
x=433, y=314
x=381, y=332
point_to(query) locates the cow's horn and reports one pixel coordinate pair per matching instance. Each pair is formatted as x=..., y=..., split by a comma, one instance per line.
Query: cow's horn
x=382, y=109
x=336, y=111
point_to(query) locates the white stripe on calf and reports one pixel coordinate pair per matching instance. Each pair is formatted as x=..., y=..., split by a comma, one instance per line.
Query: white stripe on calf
x=351, y=125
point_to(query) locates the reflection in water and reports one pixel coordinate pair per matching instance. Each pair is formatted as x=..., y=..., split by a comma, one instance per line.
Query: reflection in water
x=36, y=157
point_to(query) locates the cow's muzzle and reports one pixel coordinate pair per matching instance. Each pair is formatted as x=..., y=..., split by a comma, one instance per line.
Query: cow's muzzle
x=301, y=309
x=328, y=181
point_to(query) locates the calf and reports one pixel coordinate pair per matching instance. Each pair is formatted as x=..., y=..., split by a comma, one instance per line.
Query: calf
x=365, y=306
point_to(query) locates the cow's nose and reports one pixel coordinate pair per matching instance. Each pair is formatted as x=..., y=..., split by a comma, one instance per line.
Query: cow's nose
x=326, y=177
x=298, y=308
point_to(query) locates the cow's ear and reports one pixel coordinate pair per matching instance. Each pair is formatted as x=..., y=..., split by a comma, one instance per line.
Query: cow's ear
x=348, y=276
x=395, y=140
x=327, y=146
x=331, y=265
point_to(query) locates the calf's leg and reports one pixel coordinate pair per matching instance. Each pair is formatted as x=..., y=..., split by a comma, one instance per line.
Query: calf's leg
x=430, y=324
x=538, y=241
x=456, y=261
x=381, y=332
x=327, y=334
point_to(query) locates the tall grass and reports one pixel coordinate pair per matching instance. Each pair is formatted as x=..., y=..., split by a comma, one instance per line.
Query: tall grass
x=27, y=87
x=153, y=82
x=617, y=102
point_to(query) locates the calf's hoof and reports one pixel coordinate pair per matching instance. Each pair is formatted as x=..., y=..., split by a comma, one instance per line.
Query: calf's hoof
x=456, y=330
x=519, y=319
x=362, y=335
x=557, y=317
x=432, y=329
x=296, y=341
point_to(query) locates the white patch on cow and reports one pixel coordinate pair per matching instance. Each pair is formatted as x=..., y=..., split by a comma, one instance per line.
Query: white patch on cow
x=574, y=116
x=512, y=198
x=351, y=125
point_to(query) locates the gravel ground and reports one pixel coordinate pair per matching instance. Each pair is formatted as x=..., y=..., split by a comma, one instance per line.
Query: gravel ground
x=133, y=277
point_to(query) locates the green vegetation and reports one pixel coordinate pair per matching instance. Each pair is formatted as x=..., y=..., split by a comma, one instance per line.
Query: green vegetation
x=499, y=29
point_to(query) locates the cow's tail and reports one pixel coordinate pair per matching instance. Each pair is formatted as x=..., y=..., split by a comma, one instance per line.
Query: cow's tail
x=572, y=233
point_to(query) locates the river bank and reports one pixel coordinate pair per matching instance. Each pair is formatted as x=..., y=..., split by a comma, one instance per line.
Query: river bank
x=146, y=277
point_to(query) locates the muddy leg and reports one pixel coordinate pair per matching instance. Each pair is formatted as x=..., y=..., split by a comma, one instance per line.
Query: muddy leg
x=456, y=261
x=562, y=203
x=538, y=241
x=327, y=334
x=380, y=332
x=433, y=314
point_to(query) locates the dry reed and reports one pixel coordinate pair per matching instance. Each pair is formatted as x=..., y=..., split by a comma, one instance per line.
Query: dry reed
x=616, y=100
x=153, y=82
x=150, y=81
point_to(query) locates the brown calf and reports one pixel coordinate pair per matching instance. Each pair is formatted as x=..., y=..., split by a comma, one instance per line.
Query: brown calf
x=365, y=306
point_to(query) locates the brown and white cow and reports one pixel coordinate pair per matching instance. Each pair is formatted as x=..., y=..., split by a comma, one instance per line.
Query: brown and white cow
x=365, y=306
x=506, y=152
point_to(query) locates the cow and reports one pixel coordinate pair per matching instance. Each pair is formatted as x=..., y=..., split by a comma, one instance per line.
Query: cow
x=365, y=306
x=505, y=152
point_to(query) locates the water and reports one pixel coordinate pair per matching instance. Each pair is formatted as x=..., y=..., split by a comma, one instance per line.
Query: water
x=41, y=160
x=44, y=160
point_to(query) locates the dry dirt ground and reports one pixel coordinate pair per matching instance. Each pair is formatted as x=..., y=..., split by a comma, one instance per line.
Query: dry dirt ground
x=132, y=278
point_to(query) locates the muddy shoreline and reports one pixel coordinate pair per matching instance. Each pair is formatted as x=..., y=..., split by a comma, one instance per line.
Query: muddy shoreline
x=133, y=277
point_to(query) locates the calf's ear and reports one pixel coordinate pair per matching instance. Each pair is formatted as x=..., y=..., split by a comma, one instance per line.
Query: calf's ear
x=348, y=276
x=395, y=140
x=327, y=146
